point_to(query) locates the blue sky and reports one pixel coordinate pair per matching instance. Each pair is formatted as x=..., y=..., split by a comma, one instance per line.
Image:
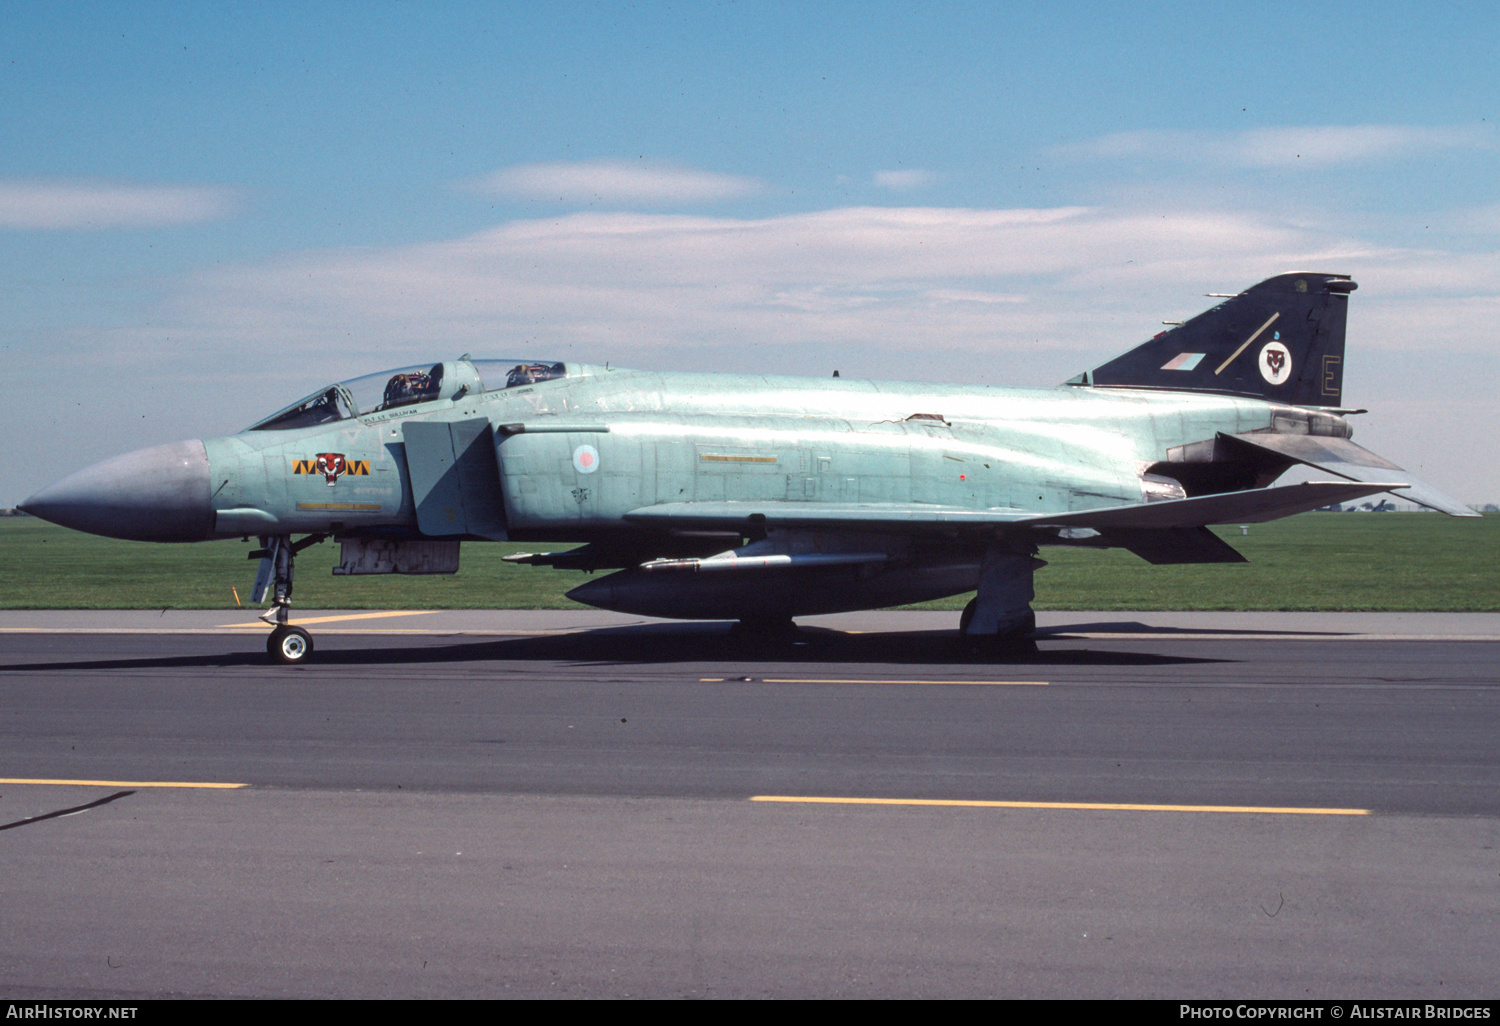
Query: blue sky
x=209, y=209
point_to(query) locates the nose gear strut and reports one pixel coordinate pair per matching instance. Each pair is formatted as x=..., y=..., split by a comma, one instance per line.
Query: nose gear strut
x=287, y=644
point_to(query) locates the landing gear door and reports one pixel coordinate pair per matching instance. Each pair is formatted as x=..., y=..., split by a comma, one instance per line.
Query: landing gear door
x=455, y=479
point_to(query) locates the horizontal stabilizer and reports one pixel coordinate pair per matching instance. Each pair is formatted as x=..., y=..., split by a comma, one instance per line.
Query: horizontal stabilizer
x=1342, y=457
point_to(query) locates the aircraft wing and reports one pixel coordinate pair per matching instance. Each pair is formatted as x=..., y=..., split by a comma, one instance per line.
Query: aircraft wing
x=1342, y=457
x=1254, y=506
x=854, y=516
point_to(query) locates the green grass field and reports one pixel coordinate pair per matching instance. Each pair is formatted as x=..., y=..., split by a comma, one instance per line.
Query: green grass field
x=1388, y=561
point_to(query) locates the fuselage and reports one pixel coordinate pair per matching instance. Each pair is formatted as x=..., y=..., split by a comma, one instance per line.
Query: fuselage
x=574, y=455
x=402, y=466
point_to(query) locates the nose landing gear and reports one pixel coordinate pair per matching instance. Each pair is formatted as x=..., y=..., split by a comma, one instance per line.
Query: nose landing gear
x=287, y=644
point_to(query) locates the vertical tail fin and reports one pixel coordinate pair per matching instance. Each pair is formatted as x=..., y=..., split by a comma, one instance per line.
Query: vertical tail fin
x=1281, y=340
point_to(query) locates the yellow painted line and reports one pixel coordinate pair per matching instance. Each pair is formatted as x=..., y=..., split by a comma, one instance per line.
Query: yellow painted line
x=436, y=632
x=839, y=680
x=1108, y=806
x=231, y=629
x=331, y=619
x=123, y=783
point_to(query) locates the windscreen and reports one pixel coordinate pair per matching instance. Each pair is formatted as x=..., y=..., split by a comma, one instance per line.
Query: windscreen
x=318, y=408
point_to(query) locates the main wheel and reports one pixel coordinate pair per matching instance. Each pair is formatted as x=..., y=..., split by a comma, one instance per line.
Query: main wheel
x=289, y=645
x=1019, y=642
x=1026, y=628
x=967, y=616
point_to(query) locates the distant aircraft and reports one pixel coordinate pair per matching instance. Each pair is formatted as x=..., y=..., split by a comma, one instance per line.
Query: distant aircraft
x=758, y=498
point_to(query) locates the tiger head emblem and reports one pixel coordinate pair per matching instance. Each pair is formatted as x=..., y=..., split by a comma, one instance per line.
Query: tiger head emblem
x=331, y=465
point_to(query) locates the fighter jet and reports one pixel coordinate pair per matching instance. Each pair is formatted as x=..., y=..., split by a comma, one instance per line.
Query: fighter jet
x=762, y=498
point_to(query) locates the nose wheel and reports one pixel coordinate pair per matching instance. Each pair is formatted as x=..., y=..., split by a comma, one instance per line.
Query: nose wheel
x=289, y=645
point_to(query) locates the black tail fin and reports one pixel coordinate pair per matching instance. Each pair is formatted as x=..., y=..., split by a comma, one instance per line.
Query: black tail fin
x=1281, y=340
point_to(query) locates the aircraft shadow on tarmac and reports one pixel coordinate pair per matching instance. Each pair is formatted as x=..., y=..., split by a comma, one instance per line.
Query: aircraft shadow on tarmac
x=1148, y=631
x=650, y=644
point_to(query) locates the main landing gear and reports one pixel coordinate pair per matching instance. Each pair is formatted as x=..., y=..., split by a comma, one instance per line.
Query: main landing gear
x=287, y=644
x=999, y=623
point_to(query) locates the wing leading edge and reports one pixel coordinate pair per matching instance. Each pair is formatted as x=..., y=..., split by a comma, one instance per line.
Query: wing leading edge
x=1255, y=506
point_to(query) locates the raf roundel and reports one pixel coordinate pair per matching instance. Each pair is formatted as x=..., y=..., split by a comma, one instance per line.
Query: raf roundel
x=1275, y=363
x=585, y=459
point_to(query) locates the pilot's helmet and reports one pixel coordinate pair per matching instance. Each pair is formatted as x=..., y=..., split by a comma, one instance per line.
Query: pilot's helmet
x=395, y=389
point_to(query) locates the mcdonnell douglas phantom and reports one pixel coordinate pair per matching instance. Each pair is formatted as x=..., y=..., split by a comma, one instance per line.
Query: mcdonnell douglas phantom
x=759, y=499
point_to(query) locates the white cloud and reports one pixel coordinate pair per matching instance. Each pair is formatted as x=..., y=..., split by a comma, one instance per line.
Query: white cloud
x=1311, y=147
x=615, y=181
x=93, y=205
x=908, y=179
x=623, y=286
x=974, y=296
x=1085, y=282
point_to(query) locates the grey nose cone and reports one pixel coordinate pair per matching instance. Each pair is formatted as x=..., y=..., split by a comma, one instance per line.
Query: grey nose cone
x=157, y=494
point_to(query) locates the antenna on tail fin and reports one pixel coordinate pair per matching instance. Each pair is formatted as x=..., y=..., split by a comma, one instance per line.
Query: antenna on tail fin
x=1281, y=340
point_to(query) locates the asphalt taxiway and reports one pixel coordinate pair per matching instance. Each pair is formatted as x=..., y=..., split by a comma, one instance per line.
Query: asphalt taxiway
x=534, y=803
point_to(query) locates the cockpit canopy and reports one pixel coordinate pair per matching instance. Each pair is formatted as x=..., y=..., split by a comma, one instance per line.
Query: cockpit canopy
x=375, y=393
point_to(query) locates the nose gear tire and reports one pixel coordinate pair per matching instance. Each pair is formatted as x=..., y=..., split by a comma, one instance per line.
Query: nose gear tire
x=289, y=645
